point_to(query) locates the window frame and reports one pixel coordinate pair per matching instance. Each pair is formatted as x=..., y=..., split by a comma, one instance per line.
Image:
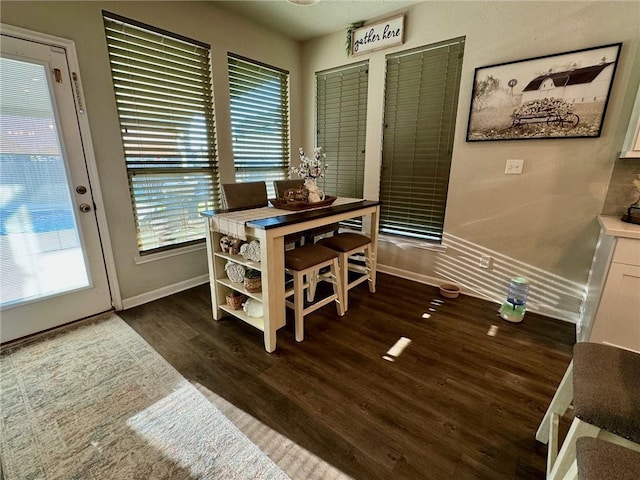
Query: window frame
x=341, y=104
x=254, y=158
x=169, y=183
x=409, y=207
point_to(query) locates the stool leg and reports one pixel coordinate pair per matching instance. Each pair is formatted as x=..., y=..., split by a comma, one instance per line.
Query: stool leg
x=312, y=280
x=559, y=404
x=572, y=474
x=298, y=304
x=344, y=274
x=371, y=268
x=568, y=451
x=337, y=286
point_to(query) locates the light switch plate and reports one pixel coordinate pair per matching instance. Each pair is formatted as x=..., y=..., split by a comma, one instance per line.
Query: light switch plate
x=514, y=166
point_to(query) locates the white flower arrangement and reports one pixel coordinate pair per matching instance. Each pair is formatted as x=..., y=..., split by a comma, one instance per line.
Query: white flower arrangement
x=311, y=168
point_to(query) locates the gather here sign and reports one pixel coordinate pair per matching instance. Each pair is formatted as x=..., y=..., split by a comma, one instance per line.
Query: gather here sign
x=379, y=35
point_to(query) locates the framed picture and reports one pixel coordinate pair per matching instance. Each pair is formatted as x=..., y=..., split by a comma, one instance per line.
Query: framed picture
x=555, y=96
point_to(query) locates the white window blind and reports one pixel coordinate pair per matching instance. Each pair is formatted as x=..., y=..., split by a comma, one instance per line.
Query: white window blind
x=421, y=102
x=341, y=122
x=259, y=100
x=162, y=84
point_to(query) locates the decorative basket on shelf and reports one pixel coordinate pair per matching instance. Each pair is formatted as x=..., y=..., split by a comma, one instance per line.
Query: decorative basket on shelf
x=235, y=300
x=252, y=280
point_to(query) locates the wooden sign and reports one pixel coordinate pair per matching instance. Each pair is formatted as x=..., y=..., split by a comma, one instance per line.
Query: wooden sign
x=387, y=33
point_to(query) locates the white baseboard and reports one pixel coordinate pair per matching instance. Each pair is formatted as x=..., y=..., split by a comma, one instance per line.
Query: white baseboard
x=559, y=314
x=564, y=315
x=163, y=292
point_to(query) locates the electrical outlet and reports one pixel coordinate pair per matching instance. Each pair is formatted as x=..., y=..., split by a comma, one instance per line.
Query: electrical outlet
x=514, y=166
x=485, y=261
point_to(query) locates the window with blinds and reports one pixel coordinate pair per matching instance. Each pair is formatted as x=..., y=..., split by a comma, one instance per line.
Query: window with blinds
x=259, y=100
x=341, y=123
x=421, y=101
x=162, y=84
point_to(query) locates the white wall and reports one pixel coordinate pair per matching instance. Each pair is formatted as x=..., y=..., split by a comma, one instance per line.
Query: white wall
x=543, y=223
x=203, y=21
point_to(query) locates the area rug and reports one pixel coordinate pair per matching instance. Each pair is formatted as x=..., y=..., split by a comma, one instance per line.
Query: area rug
x=296, y=461
x=98, y=402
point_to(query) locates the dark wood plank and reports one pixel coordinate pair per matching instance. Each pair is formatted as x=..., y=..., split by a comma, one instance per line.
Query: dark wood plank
x=456, y=404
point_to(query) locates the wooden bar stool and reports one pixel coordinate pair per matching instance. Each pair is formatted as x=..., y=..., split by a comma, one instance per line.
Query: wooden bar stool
x=604, y=384
x=599, y=460
x=346, y=244
x=307, y=261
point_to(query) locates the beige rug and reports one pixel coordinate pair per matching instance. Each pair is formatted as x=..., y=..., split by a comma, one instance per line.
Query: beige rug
x=97, y=402
x=294, y=460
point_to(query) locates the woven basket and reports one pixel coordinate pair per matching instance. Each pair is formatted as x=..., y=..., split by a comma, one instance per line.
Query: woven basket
x=235, y=302
x=253, y=284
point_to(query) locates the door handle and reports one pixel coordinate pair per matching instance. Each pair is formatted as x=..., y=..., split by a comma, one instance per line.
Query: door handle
x=85, y=207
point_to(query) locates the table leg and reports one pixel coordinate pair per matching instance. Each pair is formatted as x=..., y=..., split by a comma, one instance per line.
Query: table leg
x=272, y=260
x=373, y=235
x=210, y=238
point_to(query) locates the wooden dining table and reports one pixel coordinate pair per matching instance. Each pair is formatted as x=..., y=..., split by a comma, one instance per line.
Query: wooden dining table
x=269, y=226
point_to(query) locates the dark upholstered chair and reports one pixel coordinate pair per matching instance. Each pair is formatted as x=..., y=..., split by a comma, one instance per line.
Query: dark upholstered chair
x=242, y=196
x=604, y=384
x=347, y=244
x=306, y=261
x=599, y=460
x=281, y=186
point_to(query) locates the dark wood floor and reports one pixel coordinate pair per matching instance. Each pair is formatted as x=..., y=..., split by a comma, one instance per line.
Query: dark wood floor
x=457, y=404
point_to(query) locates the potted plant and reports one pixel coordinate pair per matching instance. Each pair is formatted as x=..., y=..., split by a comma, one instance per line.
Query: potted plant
x=252, y=280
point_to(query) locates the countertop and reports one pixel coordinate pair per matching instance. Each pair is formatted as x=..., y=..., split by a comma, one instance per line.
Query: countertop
x=617, y=228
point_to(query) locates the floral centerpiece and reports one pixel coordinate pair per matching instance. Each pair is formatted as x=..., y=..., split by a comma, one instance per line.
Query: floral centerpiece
x=310, y=170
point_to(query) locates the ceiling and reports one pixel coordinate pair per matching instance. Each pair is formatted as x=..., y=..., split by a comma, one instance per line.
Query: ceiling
x=304, y=22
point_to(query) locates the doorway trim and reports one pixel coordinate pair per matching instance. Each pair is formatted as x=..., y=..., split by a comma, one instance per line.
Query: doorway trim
x=69, y=47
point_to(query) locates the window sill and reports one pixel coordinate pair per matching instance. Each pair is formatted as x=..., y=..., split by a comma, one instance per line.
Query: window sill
x=140, y=259
x=404, y=242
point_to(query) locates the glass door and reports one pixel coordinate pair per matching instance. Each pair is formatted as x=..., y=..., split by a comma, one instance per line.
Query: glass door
x=51, y=261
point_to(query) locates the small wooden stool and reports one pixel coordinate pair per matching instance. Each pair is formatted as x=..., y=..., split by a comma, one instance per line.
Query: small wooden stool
x=346, y=244
x=604, y=384
x=307, y=261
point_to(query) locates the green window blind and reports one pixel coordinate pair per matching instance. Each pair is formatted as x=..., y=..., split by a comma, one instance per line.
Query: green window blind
x=259, y=100
x=421, y=102
x=341, y=119
x=163, y=93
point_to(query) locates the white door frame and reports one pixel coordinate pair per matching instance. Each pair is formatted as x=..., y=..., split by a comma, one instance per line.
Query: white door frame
x=90, y=159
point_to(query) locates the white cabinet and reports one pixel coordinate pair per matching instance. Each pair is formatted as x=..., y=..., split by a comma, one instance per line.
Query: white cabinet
x=617, y=317
x=631, y=146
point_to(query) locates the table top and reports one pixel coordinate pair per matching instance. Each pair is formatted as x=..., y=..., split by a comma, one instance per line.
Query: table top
x=301, y=216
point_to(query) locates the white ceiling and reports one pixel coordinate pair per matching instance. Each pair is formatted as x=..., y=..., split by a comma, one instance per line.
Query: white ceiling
x=303, y=22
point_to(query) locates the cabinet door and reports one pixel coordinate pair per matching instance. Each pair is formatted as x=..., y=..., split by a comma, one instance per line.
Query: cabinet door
x=618, y=318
